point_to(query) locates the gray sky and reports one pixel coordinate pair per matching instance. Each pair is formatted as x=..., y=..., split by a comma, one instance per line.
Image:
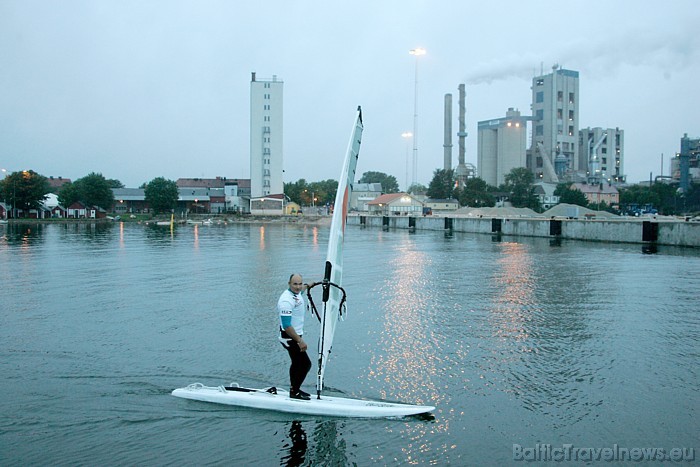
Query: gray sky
x=141, y=89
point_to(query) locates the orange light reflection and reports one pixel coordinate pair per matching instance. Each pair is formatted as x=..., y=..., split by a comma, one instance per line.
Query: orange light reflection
x=407, y=365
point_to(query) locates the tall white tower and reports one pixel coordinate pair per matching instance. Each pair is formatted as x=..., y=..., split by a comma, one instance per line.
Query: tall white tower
x=266, y=161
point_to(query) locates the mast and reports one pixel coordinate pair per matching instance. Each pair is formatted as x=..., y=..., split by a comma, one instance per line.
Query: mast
x=333, y=296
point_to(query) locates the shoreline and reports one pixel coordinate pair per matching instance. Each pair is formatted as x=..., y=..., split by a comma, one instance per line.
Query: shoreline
x=217, y=220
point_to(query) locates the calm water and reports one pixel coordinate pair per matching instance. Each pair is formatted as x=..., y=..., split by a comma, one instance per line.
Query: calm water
x=517, y=341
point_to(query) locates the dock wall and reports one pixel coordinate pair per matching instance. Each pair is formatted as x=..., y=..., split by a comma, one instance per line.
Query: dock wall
x=661, y=232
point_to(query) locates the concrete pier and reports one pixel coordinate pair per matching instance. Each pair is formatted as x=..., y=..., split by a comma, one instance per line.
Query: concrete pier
x=676, y=232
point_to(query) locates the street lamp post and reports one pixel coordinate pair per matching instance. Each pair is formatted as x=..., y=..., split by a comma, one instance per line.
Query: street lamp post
x=14, y=198
x=4, y=198
x=417, y=53
x=405, y=135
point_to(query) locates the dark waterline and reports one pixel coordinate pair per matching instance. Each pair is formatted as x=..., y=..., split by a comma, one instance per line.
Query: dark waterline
x=516, y=342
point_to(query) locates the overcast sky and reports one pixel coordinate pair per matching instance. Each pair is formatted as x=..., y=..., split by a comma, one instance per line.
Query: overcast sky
x=141, y=89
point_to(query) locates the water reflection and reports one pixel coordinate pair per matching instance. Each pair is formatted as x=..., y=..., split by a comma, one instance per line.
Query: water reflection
x=650, y=249
x=328, y=445
x=92, y=232
x=548, y=352
x=405, y=367
x=405, y=361
x=296, y=454
x=515, y=280
x=23, y=234
x=159, y=234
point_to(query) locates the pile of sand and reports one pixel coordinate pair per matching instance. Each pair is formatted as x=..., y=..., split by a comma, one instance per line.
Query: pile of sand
x=497, y=212
x=565, y=210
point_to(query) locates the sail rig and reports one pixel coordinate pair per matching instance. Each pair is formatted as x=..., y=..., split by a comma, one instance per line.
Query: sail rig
x=333, y=293
x=332, y=310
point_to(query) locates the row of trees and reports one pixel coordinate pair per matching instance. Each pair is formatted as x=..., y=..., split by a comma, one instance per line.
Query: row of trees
x=323, y=193
x=518, y=187
x=477, y=193
x=26, y=190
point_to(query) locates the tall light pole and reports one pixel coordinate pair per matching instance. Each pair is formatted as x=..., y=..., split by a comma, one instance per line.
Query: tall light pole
x=405, y=135
x=4, y=198
x=417, y=53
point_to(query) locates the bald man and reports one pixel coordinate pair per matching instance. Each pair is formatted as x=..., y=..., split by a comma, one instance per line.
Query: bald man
x=292, y=309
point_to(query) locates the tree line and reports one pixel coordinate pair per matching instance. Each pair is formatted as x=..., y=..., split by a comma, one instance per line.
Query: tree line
x=519, y=188
x=26, y=190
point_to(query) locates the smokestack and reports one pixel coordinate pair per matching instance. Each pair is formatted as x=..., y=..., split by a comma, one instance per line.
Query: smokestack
x=462, y=127
x=461, y=172
x=448, y=132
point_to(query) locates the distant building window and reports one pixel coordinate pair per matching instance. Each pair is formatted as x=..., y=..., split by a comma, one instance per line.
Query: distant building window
x=539, y=82
x=539, y=130
x=571, y=98
x=539, y=96
x=539, y=114
x=571, y=131
x=571, y=115
x=560, y=96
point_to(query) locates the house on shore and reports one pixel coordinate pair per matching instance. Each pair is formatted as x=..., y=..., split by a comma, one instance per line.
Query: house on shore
x=396, y=204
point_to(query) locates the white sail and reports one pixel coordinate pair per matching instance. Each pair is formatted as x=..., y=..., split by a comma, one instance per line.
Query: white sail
x=332, y=296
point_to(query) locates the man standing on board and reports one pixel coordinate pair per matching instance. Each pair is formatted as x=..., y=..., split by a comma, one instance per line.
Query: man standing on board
x=291, y=308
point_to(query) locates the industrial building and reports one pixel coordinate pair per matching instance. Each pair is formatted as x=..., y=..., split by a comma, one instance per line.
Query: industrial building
x=558, y=151
x=686, y=165
x=555, y=106
x=502, y=146
x=602, y=149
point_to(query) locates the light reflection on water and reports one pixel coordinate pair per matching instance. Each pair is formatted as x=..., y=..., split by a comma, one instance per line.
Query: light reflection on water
x=513, y=342
x=550, y=363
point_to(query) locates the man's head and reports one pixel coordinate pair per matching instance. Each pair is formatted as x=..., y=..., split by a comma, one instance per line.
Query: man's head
x=295, y=283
